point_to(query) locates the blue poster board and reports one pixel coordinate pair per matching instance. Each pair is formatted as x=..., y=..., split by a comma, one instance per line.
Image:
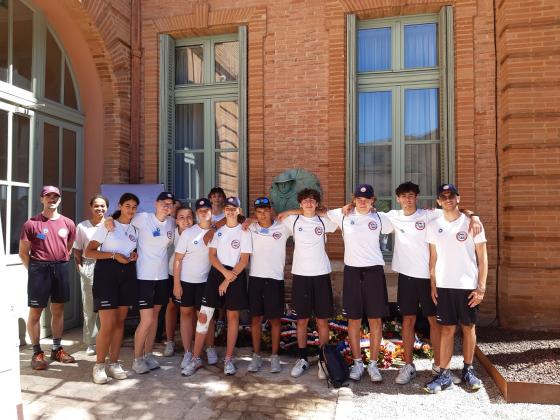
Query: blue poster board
x=147, y=193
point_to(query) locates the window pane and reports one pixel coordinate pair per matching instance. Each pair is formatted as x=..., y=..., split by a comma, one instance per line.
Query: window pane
x=189, y=65
x=20, y=149
x=422, y=166
x=227, y=135
x=50, y=155
x=427, y=203
x=22, y=45
x=68, y=205
x=374, y=49
x=421, y=114
x=420, y=45
x=374, y=167
x=4, y=41
x=19, y=214
x=189, y=127
x=3, y=145
x=374, y=117
x=227, y=172
x=3, y=204
x=69, y=92
x=68, y=159
x=227, y=61
x=53, y=69
x=189, y=175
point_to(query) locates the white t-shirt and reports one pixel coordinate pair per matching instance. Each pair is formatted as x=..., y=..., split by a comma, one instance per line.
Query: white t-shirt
x=361, y=236
x=269, y=250
x=171, y=250
x=196, y=264
x=310, y=257
x=456, y=266
x=84, y=233
x=122, y=240
x=153, y=239
x=411, y=255
x=217, y=217
x=231, y=243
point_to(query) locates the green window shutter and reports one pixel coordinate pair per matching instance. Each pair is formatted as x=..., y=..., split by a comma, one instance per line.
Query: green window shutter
x=166, y=109
x=447, y=83
x=351, y=54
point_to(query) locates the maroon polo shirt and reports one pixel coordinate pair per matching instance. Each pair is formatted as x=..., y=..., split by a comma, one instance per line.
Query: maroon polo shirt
x=49, y=238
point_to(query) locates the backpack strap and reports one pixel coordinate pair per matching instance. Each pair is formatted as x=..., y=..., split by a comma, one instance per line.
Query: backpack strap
x=294, y=228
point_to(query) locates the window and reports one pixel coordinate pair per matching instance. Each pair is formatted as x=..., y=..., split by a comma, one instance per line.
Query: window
x=40, y=122
x=399, y=105
x=203, y=103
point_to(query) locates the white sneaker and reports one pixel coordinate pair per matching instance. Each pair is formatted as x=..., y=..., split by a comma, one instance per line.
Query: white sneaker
x=186, y=359
x=255, y=364
x=436, y=370
x=321, y=369
x=192, y=367
x=301, y=366
x=116, y=371
x=169, y=349
x=211, y=355
x=357, y=370
x=139, y=366
x=151, y=361
x=99, y=374
x=374, y=373
x=275, y=366
x=229, y=367
x=90, y=351
x=406, y=374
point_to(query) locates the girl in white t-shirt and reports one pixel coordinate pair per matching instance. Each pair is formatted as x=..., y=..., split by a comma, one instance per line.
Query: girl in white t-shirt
x=98, y=205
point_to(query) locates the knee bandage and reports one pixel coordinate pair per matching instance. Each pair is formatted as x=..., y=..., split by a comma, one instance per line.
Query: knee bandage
x=202, y=327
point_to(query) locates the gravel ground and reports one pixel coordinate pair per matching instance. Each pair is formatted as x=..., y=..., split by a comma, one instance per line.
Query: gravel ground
x=522, y=356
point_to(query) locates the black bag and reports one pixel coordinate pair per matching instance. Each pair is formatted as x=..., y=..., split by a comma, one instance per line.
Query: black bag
x=333, y=365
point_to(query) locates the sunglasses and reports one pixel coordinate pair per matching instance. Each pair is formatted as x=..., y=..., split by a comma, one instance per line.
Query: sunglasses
x=262, y=201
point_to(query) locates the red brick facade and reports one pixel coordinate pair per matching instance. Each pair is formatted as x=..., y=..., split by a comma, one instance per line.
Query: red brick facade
x=506, y=112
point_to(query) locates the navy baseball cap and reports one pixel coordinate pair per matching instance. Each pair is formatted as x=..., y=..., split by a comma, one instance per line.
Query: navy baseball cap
x=447, y=188
x=232, y=201
x=165, y=195
x=363, y=190
x=262, y=202
x=203, y=203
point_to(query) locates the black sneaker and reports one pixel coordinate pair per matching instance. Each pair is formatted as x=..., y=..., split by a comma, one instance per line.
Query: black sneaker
x=470, y=379
x=440, y=383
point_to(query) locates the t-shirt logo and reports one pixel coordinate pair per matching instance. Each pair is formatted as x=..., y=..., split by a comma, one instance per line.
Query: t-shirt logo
x=276, y=235
x=63, y=233
x=169, y=234
x=351, y=222
x=195, y=242
x=372, y=225
x=131, y=237
x=440, y=230
x=300, y=229
x=46, y=230
x=219, y=233
x=235, y=244
x=461, y=236
x=420, y=225
x=318, y=230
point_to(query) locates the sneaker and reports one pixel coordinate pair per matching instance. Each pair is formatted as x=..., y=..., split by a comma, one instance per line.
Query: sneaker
x=38, y=361
x=356, y=371
x=374, y=373
x=186, y=359
x=140, y=366
x=321, y=369
x=90, y=351
x=255, y=363
x=470, y=379
x=211, y=355
x=301, y=366
x=99, y=375
x=151, y=361
x=406, y=374
x=116, y=371
x=192, y=367
x=440, y=383
x=436, y=370
x=61, y=356
x=169, y=349
x=275, y=366
x=229, y=367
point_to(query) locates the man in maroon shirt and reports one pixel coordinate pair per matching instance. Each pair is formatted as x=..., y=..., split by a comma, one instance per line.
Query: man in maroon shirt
x=44, y=248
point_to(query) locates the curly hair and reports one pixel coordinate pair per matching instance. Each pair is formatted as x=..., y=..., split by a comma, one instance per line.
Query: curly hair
x=308, y=193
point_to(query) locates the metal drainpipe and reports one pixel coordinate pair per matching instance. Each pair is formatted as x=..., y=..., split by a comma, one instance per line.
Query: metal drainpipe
x=135, y=89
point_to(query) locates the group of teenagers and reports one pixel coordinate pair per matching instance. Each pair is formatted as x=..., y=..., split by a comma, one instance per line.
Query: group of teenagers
x=213, y=261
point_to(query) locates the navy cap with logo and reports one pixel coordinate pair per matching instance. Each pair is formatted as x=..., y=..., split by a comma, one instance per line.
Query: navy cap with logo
x=203, y=203
x=363, y=190
x=233, y=201
x=262, y=202
x=165, y=195
x=447, y=188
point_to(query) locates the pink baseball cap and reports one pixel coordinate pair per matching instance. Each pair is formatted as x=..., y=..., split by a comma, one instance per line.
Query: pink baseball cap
x=49, y=189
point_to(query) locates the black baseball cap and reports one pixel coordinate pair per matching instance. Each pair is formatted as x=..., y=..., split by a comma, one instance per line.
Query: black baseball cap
x=447, y=188
x=363, y=190
x=262, y=202
x=233, y=201
x=203, y=203
x=165, y=195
